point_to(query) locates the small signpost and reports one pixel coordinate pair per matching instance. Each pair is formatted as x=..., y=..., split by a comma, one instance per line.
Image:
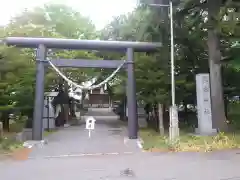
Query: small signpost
x=90, y=125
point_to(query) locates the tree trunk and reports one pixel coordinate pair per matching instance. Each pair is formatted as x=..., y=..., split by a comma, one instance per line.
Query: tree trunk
x=5, y=121
x=163, y=17
x=1, y=130
x=226, y=106
x=155, y=117
x=165, y=116
x=185, y=115
x=160, y=118
x=218, y=114
x=146, y=108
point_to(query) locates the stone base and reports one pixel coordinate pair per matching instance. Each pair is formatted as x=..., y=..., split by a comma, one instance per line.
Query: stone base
x=173, y=133
x=25, y=135
x=142, y=123
x=135, y=143
x=66, y=125
x=211, y=132
x=75, y=122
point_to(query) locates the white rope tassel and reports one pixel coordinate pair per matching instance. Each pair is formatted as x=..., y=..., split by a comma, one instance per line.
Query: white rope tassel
x=108, y=79
x=101, y=91
x=105, y=87
x=64, y=77
x=87, y=96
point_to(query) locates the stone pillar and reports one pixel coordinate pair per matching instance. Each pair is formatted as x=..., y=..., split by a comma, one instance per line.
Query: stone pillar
x=204, y=105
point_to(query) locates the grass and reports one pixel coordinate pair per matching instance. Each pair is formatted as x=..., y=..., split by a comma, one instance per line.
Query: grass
x=47, y=133
x=8, y=143
x=188, y=142
x=234, y=115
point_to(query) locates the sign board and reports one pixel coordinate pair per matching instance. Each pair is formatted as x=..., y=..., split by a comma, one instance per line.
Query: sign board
x=90, y=125
x=204, y=104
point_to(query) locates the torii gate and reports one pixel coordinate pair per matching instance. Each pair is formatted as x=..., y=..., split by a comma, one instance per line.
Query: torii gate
x=42, y=44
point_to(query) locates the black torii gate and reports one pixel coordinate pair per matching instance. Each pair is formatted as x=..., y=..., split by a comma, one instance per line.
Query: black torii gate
x=42, y=44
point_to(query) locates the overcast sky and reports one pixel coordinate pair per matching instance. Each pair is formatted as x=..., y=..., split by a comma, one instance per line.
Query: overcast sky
x=100, y=11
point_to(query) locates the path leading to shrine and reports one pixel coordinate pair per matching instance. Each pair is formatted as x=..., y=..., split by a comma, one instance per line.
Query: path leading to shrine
x=108, y=137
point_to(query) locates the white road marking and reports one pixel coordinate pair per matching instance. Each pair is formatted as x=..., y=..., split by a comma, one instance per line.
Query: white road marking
x=81, y=155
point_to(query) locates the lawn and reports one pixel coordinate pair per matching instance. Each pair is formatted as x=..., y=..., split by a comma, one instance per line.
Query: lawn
x=8, y=142
x=47, y=133
x=188, y=142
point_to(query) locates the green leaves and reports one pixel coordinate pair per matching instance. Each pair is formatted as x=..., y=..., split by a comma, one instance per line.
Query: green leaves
x=17, y=66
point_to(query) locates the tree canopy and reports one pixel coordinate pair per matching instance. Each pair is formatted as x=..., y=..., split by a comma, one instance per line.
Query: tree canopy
x=202, y=29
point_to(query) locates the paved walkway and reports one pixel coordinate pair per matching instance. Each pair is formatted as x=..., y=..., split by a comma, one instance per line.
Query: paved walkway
x=109, y=136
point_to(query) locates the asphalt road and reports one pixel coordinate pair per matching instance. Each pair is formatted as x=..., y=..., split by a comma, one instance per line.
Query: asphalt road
x=71, y=155
x=139, y=166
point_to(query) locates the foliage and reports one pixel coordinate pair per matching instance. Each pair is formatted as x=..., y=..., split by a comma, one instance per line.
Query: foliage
x=192, y=24
x=194, y=21
x=17, y=70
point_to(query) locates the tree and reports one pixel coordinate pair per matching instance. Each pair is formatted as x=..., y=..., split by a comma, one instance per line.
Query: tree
x=59, y=18
x=219, y=14
x=18, y=71
x=191, y=39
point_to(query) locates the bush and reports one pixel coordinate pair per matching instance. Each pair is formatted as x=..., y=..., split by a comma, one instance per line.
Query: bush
x=18, y=124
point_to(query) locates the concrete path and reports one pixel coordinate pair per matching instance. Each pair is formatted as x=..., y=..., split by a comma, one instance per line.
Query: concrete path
x=109, y=136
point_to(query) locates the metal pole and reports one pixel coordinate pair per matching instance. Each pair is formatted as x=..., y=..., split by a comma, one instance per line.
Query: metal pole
x=39, y=94
x=173, y=129
x=131, y=97
x=172, y=54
